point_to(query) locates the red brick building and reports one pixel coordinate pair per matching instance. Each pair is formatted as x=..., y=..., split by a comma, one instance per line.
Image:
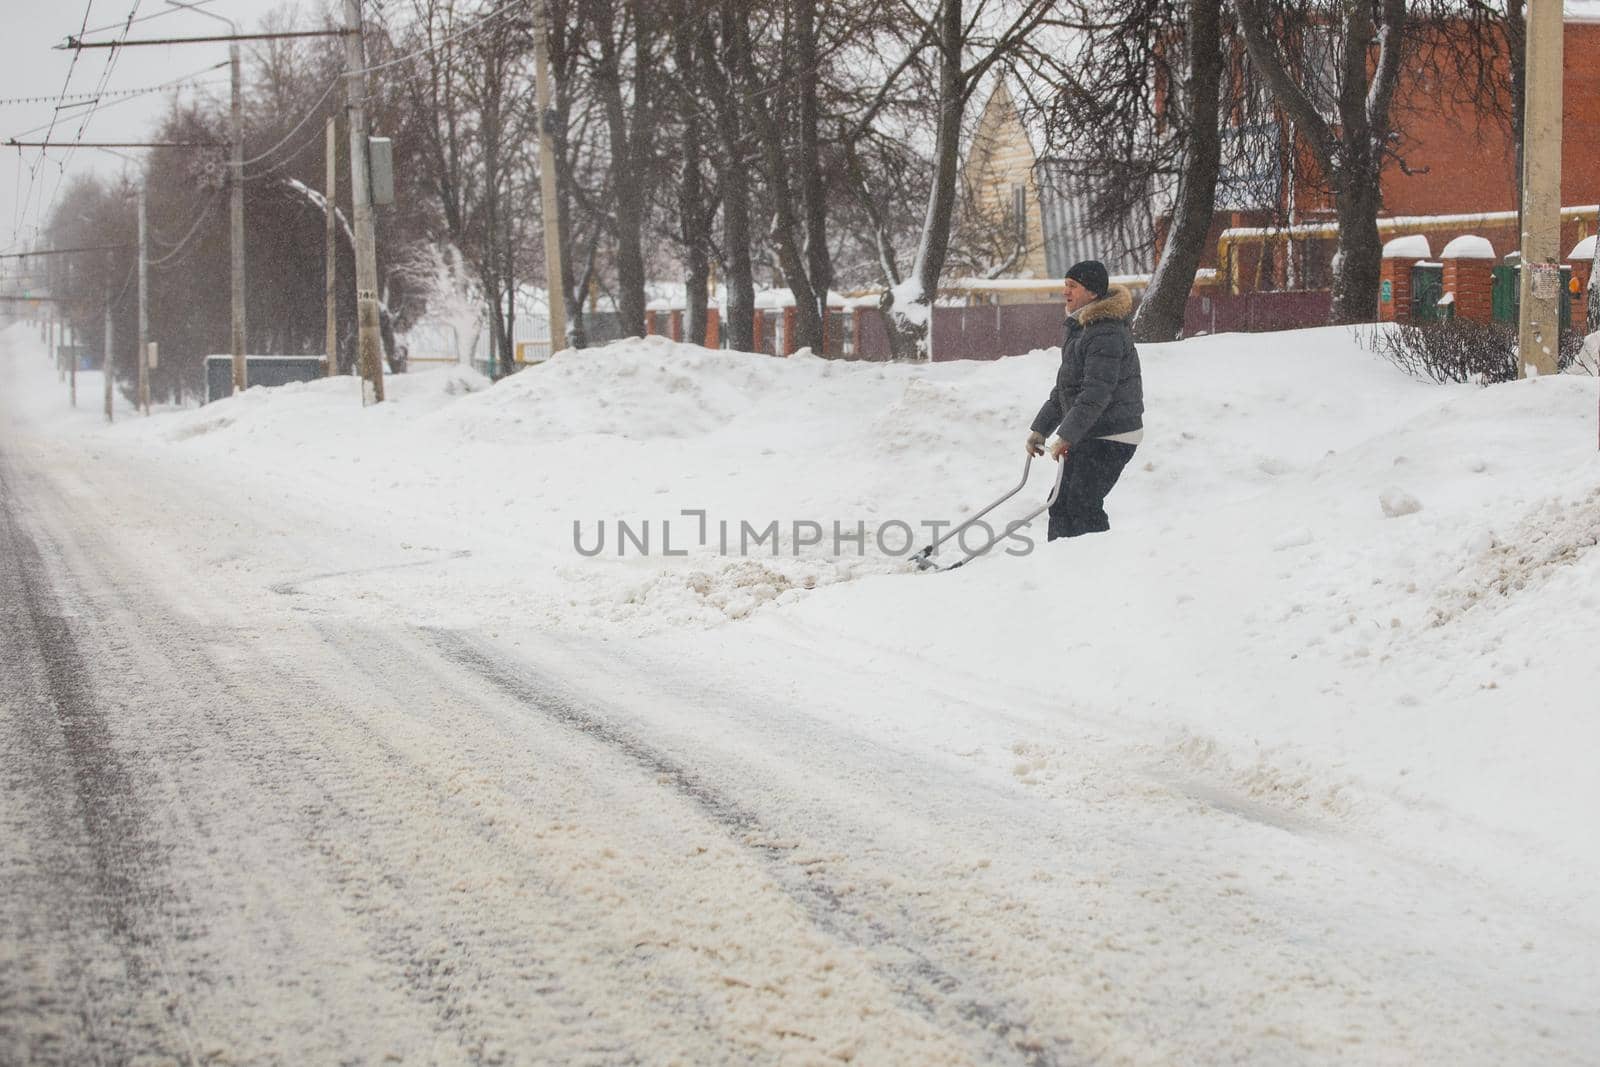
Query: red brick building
x=1460, y=165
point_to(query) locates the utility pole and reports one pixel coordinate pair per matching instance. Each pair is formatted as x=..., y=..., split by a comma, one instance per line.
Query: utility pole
x=555, y=287
x=235, y=197
x=1539, y=284
x=107, y=363
x=53, y=338
x=330, y=289
x=144, y=311
x=368, y=330
x=236, y=207
x=72, y=361
x=236, y=224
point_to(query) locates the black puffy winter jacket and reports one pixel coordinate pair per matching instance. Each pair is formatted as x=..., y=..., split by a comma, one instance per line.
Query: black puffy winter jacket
x=1098, y=389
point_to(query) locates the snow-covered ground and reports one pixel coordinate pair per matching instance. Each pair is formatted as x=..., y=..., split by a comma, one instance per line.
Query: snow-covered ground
x=1296, y=763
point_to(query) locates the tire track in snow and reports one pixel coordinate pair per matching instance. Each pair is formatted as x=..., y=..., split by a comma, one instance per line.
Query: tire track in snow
x=923, y=981
x=98, y=906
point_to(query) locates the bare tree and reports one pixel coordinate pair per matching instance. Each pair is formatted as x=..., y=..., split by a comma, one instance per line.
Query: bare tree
x=964, y=47
x=470, y=108
x=582, y=170
x=1350, y=151
x=725, y=44
x=626, y=41
x=1160, y=316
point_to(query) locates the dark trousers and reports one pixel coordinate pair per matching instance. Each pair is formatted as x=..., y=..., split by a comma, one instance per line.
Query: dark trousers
x=1093, y=467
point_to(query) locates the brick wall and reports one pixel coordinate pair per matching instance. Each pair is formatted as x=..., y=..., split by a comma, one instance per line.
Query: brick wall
x=1471, y=280
x=1396, y=278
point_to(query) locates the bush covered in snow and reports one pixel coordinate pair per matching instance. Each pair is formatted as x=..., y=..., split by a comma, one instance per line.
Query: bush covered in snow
x=1460, y=350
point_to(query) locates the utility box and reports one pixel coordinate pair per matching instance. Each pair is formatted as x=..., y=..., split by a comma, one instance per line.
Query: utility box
x=380, y=169
x=260, y=370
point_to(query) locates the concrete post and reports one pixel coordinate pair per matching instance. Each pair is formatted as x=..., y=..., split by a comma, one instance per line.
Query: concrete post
x=1540, y=277
x=368, y=325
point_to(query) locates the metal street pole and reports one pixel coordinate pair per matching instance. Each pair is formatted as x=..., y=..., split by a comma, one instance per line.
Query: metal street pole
x=1539, y=284
x=144, y=311
x=107, y=362
x=555, y=288
x=330, y=288
x=370, y=340
x=236, y=226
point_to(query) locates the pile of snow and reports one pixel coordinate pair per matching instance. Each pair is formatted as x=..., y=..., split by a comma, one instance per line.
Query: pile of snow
x=1274, y=611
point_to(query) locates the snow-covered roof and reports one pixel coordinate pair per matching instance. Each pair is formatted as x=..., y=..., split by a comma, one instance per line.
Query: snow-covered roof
x=1581, y=11
x=1468, y=246
x=1413, y=246
x=1583, y=250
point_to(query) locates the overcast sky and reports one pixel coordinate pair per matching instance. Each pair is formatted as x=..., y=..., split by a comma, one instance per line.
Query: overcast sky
x=31, y=67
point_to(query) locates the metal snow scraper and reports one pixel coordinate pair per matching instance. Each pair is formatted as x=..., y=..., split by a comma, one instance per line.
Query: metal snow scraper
x=924, y=559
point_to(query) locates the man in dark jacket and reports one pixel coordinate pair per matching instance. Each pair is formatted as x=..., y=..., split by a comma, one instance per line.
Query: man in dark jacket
x=1097, y=407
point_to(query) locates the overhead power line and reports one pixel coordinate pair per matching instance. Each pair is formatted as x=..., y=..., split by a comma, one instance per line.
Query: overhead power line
x=128, y=22
x=74, y=44
x=65, y=99
x=114, y=144
x=104, y=106
x=62, y=251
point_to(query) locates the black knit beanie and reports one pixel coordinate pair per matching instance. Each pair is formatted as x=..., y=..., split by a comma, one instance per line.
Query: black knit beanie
x=1091, y=274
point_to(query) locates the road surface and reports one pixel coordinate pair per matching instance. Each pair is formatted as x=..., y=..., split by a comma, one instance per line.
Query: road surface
x=242, y=825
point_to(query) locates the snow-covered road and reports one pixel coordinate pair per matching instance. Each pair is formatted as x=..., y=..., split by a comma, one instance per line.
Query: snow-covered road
x=247, y=820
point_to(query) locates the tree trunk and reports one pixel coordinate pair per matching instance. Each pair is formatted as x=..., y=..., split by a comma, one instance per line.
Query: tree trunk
x=1355, y=283
x=627, y=180
x=692, y=214
x=910, y=323
x=734, y=173
x=1160, y=316
x=562, y=52
x=813, y=185
x=808, y=325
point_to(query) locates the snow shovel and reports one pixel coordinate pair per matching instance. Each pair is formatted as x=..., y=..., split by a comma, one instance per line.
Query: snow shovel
x=924, y=560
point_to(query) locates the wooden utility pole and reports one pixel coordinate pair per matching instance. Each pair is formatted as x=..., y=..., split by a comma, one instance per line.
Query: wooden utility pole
x=144, y=311
x=549, y=204
x=370, y=339
x=1538, y=331
x=330, y=288
x=72, y=362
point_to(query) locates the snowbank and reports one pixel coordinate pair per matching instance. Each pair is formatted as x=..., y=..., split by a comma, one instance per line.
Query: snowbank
x=1346, y=593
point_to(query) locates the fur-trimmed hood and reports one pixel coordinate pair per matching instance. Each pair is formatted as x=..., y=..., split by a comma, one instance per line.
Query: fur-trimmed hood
x=1116, y=304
